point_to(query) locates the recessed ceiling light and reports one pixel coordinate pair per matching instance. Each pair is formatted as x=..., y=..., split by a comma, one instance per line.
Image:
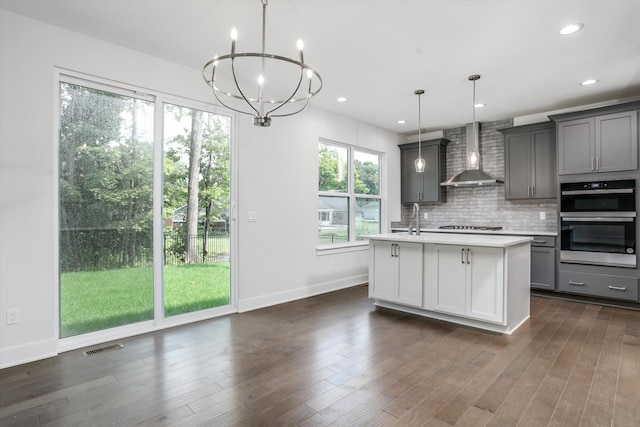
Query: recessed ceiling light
x=401, y=122
x=589, y=82
x=570, y=29
x=479, y=105
x=341, y=99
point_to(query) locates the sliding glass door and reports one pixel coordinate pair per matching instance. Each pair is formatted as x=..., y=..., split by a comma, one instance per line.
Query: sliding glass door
x=107, y=254
x=106, y=209
x=196, y=192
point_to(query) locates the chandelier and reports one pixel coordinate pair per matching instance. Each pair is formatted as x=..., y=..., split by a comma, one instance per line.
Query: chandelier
x=262, y=100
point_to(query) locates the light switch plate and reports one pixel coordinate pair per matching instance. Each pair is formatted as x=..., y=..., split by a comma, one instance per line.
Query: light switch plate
x=252, y=216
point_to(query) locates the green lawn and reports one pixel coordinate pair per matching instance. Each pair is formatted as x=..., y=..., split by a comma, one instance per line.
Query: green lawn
x=91, y=301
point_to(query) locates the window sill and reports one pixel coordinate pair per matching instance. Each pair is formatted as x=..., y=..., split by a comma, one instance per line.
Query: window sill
x=361, y=245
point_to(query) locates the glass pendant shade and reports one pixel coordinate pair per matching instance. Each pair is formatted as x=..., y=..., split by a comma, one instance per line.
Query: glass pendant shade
x=419, y=162
x=473, y=160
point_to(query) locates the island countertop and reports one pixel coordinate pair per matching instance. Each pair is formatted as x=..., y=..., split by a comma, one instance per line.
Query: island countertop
x=496, y=241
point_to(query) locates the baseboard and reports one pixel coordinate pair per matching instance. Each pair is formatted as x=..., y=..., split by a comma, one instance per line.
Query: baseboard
x=31, y=352
x=300, y=293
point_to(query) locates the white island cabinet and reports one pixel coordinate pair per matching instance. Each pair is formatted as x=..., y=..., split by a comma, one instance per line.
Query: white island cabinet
x=475, y=280
x=397, y=272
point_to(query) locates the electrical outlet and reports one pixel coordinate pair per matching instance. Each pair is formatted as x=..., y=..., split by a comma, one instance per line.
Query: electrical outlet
x=543, y=215
x=425, y=215
x=13, y=316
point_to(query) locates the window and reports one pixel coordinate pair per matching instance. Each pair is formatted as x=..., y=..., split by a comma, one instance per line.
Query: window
x=349, y=201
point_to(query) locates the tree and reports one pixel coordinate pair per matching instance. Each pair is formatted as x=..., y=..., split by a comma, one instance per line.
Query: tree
x=215, y=173
x=328, y=170
x=367, y=178
x=212, y=170
x=193, y=187
x=105, y=179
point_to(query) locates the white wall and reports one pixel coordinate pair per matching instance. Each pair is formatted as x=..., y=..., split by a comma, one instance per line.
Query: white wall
x=277, y=179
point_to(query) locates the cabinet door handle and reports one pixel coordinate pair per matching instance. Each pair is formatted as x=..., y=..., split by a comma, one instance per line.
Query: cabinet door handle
x=571, y=282
x=395, y=251
x=592, y=166
x=618, y=288
x=468, y=251
x=538, y=241
x=597, y=163
x=533, y=191
x=462, y=255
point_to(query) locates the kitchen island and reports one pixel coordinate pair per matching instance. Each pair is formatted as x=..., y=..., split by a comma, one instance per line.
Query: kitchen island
x=472, y=279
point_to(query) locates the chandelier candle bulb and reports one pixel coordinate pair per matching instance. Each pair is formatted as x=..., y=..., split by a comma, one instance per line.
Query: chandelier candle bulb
x=300, y=46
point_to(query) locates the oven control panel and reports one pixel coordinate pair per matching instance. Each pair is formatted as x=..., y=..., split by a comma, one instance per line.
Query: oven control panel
x=622, y=184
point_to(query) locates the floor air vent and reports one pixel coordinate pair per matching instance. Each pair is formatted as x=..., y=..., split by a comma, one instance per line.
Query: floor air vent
x=103, y=349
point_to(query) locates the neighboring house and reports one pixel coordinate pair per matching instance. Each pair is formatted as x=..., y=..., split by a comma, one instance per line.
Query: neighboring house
x=370, y=211
x=332, y=216
x=180, y=216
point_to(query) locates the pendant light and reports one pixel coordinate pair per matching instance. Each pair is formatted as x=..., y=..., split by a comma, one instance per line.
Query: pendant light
x=473, y=157
x=419, y=162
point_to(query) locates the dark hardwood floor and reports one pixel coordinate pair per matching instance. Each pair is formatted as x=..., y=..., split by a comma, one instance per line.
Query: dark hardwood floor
x=337, y=360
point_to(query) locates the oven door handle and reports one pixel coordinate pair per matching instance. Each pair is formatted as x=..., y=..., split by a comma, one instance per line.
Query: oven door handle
x=582, y=192
x=599, y=214
x=597, y=219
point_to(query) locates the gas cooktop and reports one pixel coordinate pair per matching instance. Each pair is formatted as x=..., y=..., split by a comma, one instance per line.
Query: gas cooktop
x=470, y=227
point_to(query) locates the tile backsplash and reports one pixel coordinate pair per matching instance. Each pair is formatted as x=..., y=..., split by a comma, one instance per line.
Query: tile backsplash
x=482, y=205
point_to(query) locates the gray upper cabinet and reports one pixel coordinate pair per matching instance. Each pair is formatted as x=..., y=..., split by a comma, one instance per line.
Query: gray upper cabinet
x=599, y=140
x=530, y=161
x=424, y=187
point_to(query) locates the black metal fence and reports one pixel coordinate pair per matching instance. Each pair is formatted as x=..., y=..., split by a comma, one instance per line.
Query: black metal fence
x=91, y=249
x=215, y=248
x=103, y=249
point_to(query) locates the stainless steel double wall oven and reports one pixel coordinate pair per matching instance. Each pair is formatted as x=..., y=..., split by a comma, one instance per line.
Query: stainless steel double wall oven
x=598, y=223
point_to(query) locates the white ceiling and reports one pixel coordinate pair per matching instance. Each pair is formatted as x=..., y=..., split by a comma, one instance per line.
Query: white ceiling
x=377, y=52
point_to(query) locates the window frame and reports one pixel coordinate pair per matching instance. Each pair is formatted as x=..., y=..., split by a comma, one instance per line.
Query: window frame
x=352, y=243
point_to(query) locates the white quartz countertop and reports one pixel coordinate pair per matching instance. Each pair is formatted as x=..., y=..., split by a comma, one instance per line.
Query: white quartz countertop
x=490, y=240
x=496, y=232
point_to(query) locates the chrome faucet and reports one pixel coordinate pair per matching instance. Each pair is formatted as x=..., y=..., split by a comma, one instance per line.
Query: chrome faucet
x=416, y=212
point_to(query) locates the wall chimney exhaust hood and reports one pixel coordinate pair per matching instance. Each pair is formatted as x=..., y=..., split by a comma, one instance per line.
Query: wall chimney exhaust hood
x=473, y=175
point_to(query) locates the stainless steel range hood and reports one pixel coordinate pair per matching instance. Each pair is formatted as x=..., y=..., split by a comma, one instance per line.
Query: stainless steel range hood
x=473, y=175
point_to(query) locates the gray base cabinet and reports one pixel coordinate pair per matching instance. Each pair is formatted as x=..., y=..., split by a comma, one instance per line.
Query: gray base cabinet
x=424, y=187
x=599, y=140
x=599, y=285
x=543, y=263
x=530, y=161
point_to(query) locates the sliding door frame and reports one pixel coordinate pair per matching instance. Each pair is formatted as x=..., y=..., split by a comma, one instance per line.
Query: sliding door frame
x=159, y=321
